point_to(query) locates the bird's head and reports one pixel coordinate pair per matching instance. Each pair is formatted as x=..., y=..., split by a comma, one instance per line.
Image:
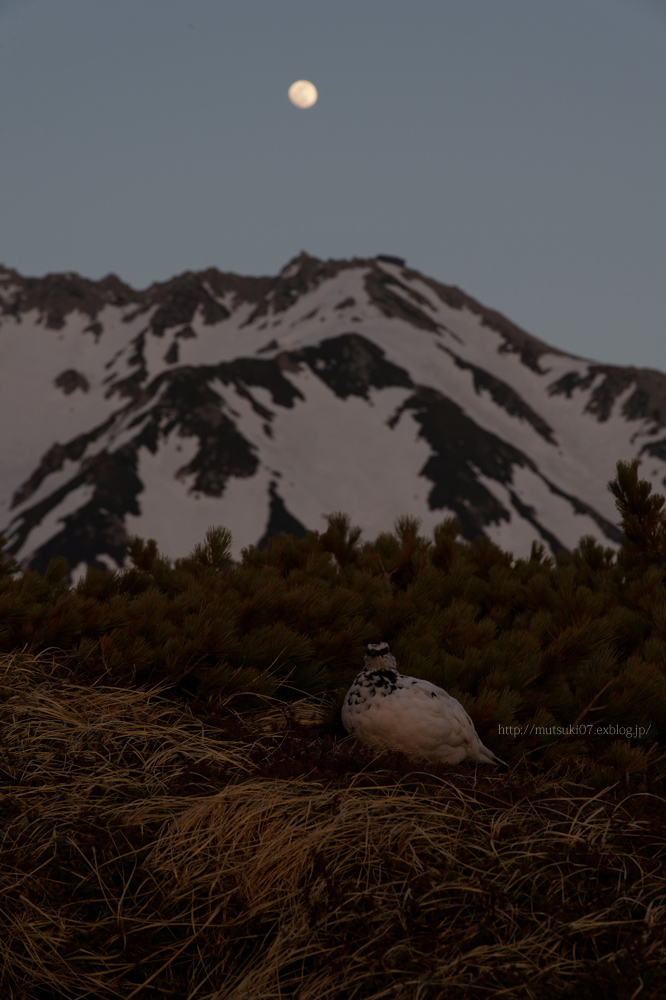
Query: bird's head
x=379, y=657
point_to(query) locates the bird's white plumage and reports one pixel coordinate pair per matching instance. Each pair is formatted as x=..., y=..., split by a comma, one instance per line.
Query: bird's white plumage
x=391, y=710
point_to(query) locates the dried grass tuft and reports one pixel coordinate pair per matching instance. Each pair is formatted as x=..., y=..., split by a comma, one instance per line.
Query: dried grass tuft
x=147, y=854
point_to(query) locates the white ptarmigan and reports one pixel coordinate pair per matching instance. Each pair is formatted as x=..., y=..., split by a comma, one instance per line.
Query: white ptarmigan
x=418, y=718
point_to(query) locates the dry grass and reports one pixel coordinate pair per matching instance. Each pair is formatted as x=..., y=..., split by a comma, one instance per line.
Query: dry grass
x=145, y=854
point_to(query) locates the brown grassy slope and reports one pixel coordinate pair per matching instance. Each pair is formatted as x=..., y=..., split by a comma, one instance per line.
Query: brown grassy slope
x=147, y=854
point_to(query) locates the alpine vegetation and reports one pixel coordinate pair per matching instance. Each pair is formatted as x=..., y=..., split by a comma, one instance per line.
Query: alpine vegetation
x=181, y=812
x=550, y=658
x=391, y=710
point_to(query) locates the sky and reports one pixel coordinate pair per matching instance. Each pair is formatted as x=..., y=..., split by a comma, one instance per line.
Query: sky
x=516, y=148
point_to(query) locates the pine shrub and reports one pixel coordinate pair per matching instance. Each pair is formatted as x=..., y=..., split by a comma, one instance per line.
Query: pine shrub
x=573, y=641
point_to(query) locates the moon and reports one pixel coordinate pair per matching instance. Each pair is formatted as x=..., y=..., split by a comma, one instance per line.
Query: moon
x=303, y=94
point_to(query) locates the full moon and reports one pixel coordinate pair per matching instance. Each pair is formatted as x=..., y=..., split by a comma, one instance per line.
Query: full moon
x=303, y=94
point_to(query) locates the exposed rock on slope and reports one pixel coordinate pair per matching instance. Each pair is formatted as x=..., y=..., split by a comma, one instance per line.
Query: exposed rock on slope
x=265, y=403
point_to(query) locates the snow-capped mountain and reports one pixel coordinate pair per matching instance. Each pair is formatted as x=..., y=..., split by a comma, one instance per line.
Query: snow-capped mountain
x=265, y=403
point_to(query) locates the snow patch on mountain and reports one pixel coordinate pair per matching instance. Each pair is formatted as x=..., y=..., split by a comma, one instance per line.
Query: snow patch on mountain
x=266, y=403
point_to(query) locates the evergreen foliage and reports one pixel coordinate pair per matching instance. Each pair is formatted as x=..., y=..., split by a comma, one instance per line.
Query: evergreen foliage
x=531, y=647
x=643, y=519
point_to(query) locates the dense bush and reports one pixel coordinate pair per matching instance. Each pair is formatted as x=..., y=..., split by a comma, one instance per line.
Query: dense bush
x=563, y=657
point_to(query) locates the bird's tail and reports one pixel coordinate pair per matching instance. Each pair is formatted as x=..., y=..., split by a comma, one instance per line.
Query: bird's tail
x=488, y=757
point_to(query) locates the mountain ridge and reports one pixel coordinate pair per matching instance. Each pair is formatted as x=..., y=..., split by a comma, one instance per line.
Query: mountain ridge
x=264, y=403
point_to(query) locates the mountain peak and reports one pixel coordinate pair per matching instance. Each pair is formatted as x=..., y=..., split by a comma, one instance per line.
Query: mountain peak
x=260, y=402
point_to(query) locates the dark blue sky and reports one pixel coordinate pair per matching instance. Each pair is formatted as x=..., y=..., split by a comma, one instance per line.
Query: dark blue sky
x=516, y=148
